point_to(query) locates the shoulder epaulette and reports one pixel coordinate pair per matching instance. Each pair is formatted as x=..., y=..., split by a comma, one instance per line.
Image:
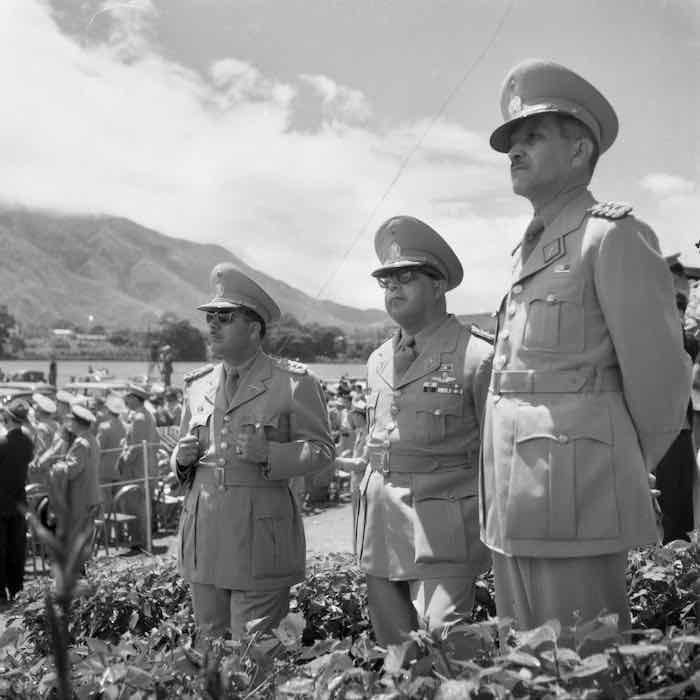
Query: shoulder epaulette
x=197, y=373
x=610, y=210
x=480, y=333
x=290, y=365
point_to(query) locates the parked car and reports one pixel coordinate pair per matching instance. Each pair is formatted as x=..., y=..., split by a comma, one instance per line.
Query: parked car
x=27, y=375
x=24, y=390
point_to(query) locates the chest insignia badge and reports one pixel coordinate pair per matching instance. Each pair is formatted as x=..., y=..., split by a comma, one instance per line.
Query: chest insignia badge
x=562, y=268
x=446, y=367
x=430, y=386
x=552, y=250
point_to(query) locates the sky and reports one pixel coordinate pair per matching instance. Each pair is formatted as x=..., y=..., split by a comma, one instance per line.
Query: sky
x=288, y=130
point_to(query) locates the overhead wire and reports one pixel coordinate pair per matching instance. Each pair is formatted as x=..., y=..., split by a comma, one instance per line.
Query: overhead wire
x=419, y=142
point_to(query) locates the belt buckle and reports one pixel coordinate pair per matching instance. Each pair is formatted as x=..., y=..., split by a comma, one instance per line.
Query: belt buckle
x=385, y=464
x=220, y=474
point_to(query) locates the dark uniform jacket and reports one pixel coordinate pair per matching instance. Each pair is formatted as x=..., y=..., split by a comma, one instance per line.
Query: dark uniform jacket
x=16, y=450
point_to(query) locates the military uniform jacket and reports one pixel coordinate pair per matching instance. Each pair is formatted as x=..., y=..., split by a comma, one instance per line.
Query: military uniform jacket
x=82, y=468
x=589, y=388
x=110, y=435
x=141, y=426
x=240, y=529
x=417, y=508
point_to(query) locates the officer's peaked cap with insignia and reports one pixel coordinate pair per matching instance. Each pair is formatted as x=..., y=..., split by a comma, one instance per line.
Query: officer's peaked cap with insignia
x=138, y=391
x=44, y=403
x=541, y=87
x=233, y=289
x=82, y=413
x=404, y=241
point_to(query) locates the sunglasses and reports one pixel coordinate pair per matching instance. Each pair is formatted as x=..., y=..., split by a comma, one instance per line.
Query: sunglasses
x=405, y=275
x=222, y=317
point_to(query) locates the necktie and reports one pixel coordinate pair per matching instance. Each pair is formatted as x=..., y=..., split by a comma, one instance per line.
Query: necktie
x=404, y=356
x=231, y=384
x=531, y=238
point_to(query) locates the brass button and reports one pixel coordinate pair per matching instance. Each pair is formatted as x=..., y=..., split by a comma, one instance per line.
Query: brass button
x=227, y=418
x=551, y=298
x=390, y=426
x=221, y=461
x=505, y=334
x=224, y=431
x=517, y=289
x=394, y=409
x=437, y=412
x=224, y=445
x=563, y=439
x=512, y=308
x=397, y=393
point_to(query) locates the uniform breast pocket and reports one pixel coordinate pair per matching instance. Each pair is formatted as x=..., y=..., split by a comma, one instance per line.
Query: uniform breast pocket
x=562, y=477
x=436, y=416
x=555, y=319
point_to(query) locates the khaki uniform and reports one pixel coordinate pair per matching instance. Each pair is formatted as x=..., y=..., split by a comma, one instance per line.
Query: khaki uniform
x=240, y=529
x=140, y=426
x=110, y=436
x=416, y=523
x=83, y=488
x=589, y=388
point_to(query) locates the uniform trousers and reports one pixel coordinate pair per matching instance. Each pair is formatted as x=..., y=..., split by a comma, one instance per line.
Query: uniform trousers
x=13, y=550
x=395, y=607
x=532, y=590
x=217, y=610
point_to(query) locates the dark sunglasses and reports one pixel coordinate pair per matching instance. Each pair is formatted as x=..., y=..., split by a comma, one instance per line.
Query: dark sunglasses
x=222, y=317
x=405, y=275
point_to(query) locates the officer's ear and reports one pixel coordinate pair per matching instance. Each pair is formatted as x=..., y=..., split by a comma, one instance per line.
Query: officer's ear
x=582, y=152
x=440, y=286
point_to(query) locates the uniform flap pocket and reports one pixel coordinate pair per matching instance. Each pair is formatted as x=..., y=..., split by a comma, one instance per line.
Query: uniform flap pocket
x=564, y=423
x=557, y=291
x=440, y=404
x=453, y=484
x=273, y=503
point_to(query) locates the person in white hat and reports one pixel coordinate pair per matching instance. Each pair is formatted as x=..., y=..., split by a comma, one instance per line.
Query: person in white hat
x=77, y=474
x=45, y=425
x=251, y=424
x=140, y=427
x=111, y=434
x=590, y=380
x=46, y=458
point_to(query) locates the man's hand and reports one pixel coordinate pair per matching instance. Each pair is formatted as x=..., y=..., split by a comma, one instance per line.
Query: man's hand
x=251, y=444
x=187, y=451
x=351, y=464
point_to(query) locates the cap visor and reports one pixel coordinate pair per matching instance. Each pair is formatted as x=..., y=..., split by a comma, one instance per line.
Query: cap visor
x=218, y=305
x=398, y=265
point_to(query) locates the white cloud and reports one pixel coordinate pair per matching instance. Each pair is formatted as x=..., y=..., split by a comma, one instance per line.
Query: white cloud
x=667, y=185
x=339, y=100
x=212, y=158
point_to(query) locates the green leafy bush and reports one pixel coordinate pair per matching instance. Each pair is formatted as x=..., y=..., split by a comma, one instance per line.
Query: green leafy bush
x=133, y=637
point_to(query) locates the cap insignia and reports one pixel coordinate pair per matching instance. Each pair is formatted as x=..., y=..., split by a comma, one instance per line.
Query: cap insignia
x=394, y=251
x=515, y=106
x=219, y=289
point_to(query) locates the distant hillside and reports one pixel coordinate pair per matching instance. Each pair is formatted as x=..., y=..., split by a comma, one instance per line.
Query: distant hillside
x=69, y=267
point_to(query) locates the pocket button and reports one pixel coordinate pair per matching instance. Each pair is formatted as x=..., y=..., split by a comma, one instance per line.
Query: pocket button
x=563, y=439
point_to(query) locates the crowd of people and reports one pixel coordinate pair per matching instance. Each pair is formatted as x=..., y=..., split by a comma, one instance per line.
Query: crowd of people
x=531, y=452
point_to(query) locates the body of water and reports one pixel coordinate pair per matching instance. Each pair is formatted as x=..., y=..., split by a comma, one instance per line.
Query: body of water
x=69, y=369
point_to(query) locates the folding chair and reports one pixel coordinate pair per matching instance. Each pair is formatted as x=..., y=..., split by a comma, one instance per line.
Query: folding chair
x=119, y=523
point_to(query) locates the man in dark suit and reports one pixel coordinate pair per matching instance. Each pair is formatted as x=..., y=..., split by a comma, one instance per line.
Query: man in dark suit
x=16, y=450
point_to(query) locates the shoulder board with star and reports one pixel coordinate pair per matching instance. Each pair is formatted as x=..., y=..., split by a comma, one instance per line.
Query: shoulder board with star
x=290, y=365
x=480, y=333
x=610, y=210
x=197, y=373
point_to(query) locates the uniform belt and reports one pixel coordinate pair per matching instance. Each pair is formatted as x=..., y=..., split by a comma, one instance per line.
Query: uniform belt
x=381, y=460
x=550, y=382
x=223, y=475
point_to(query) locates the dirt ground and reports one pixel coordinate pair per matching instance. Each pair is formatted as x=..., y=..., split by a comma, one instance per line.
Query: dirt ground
x=327, y=531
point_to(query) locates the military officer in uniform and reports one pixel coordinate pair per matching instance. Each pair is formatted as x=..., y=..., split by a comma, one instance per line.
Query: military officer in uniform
x=77, y=474
x=416, y=529
x=590, y=380
x=249, y=425
x=45, y=426
x=110, y=437
x=141, y=425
